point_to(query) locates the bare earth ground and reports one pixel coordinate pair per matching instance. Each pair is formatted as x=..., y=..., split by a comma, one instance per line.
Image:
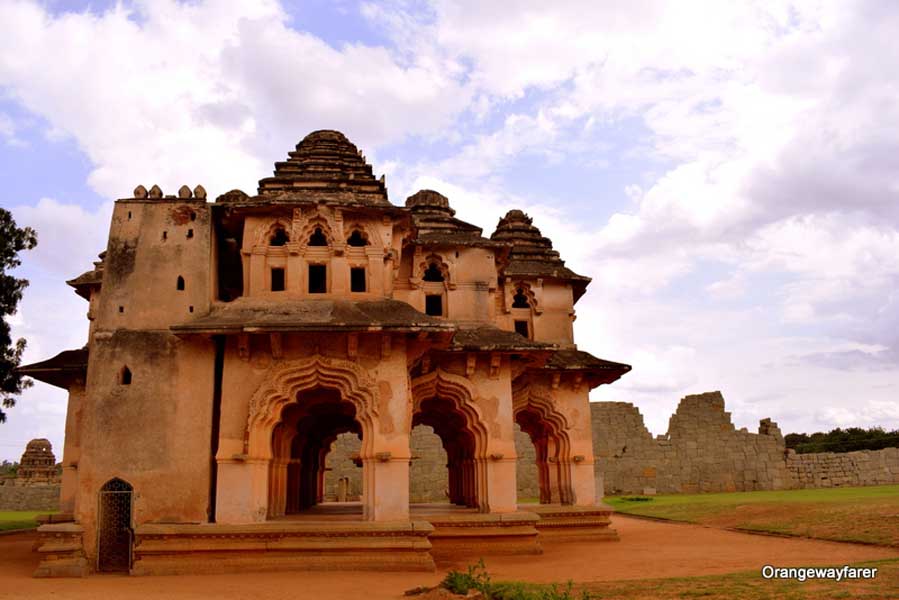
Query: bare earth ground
x=647, y=550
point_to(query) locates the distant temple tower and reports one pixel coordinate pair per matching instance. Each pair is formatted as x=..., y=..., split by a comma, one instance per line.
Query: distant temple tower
x=232, y=342
x=38, y=465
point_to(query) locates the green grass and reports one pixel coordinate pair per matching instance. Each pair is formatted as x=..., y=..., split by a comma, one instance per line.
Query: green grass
x=862, y=514
x=19, y=519
x=747, y=585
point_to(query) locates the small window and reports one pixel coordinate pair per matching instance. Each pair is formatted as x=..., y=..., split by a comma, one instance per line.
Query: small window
x=318, y=238
x=434, y=305
x=432, y=273
x=520, y=300
x=165, y=235
x=357, y=279
x=279, y=238
x=318, y=279
x=277, y=280
x=193, y=216
x=129, y=215
x=356, y=239
x=190, y=233
x=521, y=328
x=121, y=309
x=125, y=376
x=180, y=284
x=190, y=308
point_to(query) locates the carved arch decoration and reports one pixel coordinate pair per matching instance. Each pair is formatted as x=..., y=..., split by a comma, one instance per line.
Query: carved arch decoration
x=528, y=292
x=364, y=233
x=282, y=386
x=267, y=230
x=305, y=223
x=525, y=397
x=445, y=269
x=458, y=390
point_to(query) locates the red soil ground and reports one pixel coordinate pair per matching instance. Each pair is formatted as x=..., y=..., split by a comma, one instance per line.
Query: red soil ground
x=647, y=549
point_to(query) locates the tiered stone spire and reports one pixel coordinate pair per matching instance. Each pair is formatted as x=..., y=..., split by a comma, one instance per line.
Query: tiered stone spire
x=435, y=222
x=532, y=254
x=325, y=166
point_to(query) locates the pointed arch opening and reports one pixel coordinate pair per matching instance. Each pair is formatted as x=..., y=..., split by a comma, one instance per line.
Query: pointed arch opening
x=114, y=529
x=318, y=238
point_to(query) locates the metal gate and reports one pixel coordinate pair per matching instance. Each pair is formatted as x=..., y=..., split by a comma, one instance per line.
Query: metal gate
x=114, y=534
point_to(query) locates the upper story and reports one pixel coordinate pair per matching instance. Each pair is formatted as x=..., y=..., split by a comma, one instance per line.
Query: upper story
x=322, y=228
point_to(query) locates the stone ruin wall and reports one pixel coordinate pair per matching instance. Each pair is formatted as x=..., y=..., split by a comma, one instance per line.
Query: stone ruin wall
x=845, y=469
x=704, y=452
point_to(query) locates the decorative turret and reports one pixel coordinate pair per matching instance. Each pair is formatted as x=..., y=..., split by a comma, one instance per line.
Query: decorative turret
x=325, y=166
x=434, y=220
x=532, y=254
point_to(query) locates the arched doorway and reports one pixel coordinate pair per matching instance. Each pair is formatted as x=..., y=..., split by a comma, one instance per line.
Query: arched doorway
x=547, y=430
x=443, y=402
x=301, y=442
x=114, y=532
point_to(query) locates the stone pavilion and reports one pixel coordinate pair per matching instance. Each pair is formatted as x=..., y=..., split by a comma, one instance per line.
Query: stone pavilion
x=231, y=342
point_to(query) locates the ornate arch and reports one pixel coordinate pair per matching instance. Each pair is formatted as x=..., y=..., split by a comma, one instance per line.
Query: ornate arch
x=526, y=397
x=265, y=231
x=317, y=222
x=461, y=393
x=437, y=260
x=525, y=287
x=363, y=231
x=283, y=383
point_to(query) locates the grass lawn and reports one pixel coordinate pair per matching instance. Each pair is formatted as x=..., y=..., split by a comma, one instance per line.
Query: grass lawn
x=748, y=585
x=862, y=514
x=19, y=519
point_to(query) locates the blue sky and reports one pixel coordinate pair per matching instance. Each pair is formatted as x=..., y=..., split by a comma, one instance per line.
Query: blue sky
x=725, y=172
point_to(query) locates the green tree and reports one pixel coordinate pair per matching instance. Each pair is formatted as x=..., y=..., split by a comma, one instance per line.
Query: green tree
x=12, y=241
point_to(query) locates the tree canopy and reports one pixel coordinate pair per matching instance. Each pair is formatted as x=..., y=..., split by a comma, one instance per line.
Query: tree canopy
x=842, y=440
x=13, y=240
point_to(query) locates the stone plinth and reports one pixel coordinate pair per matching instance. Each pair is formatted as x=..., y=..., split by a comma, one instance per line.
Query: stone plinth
x=281, y=546
x=471, y=535
x=574, y=522
x=61, y=551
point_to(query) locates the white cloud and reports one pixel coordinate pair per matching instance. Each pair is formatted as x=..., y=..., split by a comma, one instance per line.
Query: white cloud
x=193, y=93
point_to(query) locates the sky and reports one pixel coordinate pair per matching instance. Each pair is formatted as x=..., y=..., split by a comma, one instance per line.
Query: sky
x=726, y=172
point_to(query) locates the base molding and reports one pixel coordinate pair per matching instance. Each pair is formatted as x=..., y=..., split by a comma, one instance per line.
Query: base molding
x=61, y=550
x=474, y=535
x=576, y=522
x=281, y=546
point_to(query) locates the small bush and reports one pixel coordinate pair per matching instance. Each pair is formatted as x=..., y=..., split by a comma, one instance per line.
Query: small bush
x=476, y=577
x=636, y=499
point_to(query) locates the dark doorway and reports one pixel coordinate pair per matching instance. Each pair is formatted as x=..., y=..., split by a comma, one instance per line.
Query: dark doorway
x=277, y=280
x=114, y=535
x=357, y=279
x=521, y=328
x=318, y=279
x=434, y=305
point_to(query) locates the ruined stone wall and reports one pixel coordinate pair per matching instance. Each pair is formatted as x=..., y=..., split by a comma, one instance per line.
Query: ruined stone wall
x=829, y=469
x=14, y=496
x=702, y=451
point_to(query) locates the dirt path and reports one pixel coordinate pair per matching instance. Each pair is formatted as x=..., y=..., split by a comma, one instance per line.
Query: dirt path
x=647, y=549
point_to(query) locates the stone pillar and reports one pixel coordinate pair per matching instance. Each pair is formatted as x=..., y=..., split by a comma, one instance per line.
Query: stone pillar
x=502, y=491
x=242, y=491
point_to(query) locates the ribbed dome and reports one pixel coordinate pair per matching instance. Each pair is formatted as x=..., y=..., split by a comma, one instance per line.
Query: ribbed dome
x=532, y=254
x=325, y=166
x=435, y=223
x=424, y=201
